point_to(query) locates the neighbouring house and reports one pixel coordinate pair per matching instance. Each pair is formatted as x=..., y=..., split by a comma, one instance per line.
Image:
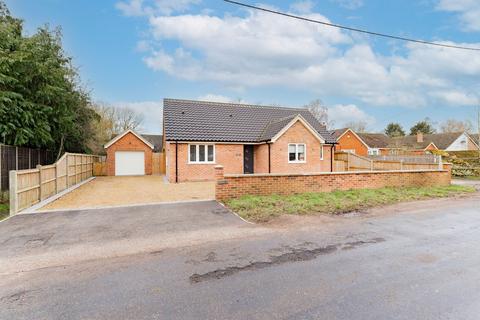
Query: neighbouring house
x=131, y=153
x=363, y=144
x=373, y=144
x=421, y=143
x=244, y=139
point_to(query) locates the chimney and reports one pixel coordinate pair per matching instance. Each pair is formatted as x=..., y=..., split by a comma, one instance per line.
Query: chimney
x=419, y=137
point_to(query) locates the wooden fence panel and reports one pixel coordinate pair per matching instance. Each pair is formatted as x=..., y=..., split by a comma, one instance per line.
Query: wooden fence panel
x=340, y=165
x=387, y=165
x=28, y=187
x=27, y=191
x=353, y=162
x=158, y=163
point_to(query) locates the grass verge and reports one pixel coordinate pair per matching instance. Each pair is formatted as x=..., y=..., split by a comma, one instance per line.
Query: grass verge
x=3, y=211
x=264, y=208
x=467, y=177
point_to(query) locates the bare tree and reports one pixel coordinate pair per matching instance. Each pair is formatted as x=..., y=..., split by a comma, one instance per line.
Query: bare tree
x=126, y=118
x=452, y=125
x=111, y=121
x=357, y=126
x=320, y=112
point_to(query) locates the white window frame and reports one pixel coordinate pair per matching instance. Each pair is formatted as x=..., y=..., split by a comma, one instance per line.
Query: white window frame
x=296, y=152
x=197, y=152
x=321, y=152
x=374, y=151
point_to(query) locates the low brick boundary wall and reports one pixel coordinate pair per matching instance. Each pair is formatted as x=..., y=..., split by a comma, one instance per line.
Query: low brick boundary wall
x=234, y=186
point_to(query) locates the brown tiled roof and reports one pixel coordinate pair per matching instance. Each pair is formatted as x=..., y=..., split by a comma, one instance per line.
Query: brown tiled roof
x=372, y=140
x=156, y=140
x=188, y=120
x=375, y=140
x=441, y=141
x=336, y=133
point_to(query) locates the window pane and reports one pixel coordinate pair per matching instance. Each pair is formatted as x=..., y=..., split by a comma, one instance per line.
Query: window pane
x=210, y=153
x=193, y=153
x=292, y=152
x=301, y=152
x=201, y=153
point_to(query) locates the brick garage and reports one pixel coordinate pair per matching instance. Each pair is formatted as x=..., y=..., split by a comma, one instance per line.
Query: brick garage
x=129, y=141
x=234, y=186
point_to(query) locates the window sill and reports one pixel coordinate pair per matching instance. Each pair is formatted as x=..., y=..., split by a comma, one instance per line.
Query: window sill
x=201, y=162
x=297, y=161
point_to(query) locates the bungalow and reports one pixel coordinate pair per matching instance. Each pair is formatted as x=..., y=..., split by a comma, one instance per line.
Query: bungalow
x=243, y=138
x=363, y=144
x=421, y=143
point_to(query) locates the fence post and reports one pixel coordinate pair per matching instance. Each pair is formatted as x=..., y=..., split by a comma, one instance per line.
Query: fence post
x=371, y=165
x=440, y=162
x=39, y=167
x=76, y=166
x=56, y=177
x=401, y=164
x=16, y=158
x=13, y=192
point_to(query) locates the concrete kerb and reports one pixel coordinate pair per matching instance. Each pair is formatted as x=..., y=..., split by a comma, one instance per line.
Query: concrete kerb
x=234, y=213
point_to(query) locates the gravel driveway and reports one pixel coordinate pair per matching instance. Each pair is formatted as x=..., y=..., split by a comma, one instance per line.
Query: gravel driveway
x=118, y=191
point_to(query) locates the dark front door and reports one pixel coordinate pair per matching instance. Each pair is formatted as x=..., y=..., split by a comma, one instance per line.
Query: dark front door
x=247, y=159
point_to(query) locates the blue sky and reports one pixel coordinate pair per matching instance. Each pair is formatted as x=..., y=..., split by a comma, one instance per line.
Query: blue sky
x=135, y=53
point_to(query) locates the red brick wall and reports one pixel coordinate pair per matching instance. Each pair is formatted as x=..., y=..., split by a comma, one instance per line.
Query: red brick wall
x=228, y=155
x=234, y=186
x=298, y=133
x=128, y=142
x=349, y=141
x=260, y=158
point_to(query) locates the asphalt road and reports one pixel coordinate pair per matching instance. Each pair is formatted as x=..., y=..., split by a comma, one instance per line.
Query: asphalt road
x=413, y=261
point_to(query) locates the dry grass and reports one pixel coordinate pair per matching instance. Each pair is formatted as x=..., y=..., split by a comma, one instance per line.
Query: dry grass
x=264, y=208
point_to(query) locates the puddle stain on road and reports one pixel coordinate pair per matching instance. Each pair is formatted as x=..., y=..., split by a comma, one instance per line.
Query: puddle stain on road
x=294, y=255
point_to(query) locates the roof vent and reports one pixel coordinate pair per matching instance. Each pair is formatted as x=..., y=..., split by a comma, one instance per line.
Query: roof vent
x=231, y=115
x=183, y=112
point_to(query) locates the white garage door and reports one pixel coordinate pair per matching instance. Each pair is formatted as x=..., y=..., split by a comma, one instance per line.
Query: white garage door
x=129, y=163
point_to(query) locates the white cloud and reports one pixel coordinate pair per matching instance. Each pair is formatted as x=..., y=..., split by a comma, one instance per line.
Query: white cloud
x=341, y=114
x=469, y=11
x=131, y=8
x=303, y=6
x=349, y=4
x=262, y=50
x=214, y=98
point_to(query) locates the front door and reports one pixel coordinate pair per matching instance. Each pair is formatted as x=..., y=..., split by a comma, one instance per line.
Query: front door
x=248, y=159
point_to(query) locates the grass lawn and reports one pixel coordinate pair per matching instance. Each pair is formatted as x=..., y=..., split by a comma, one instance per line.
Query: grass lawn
x=3, y=211
x=264, y=208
